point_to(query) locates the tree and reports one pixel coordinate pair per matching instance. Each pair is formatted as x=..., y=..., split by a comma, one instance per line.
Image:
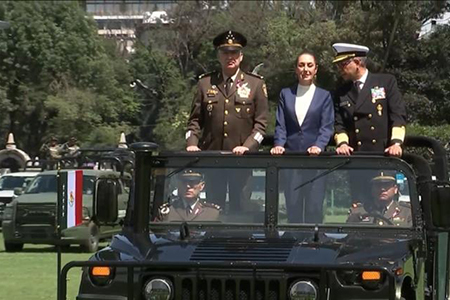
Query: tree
x=50, y=51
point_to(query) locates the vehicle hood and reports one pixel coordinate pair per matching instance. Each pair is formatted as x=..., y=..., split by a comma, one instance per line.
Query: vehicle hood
x=286, y=247
x=6, y=193
x=37, y=198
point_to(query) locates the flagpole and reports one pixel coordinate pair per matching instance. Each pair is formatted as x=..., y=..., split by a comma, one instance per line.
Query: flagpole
x=58, y=233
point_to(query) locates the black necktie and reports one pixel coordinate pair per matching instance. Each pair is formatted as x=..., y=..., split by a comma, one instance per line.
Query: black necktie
x=228, y=83
x=358, y=85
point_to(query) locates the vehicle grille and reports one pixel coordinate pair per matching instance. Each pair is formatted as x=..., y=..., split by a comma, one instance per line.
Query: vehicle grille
x=5, y=199
x=230, y=289
x=36, y=214
x=257, y=250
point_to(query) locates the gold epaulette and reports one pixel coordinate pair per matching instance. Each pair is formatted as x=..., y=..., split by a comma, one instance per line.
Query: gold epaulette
x=206, y=74
x=211, y=205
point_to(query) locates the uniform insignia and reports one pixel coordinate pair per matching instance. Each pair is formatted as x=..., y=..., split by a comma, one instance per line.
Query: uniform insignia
x=248, y=110
x=345, y=103
x=209, y=107
x=254, y=75
x=365, y=219
x=378, y=93
x=264, y=88
x=211, y=93
x=380, y=109
x=205, y=74
x=238, y=109
x=165, y=209
x=243, y=91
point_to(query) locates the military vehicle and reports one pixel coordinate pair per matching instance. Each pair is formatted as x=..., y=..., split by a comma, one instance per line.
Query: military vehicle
x=257, y=252
x=10, y=182
x=31, y=217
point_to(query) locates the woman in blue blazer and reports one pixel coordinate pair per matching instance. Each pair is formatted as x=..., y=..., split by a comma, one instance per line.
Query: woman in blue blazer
x=305, y=118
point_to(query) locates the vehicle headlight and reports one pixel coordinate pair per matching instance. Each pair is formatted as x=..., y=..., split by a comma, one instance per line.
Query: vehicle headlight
x=8, y=212
x=303, y=290
x=158, y=289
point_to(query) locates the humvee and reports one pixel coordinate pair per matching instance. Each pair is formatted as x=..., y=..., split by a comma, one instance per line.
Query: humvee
x=257, y=252
x=31, y=217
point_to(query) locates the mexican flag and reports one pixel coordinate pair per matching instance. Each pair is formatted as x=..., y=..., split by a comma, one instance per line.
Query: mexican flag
x=74, y=199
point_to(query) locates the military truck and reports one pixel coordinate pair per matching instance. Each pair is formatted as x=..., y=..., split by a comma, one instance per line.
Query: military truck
x=31, y=217
x=257, y=252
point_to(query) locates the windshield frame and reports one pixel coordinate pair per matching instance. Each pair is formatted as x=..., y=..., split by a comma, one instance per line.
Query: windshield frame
x=272, y=163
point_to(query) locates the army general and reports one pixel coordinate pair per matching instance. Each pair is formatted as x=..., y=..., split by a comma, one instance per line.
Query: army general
x=229, y=112
x=370, y=113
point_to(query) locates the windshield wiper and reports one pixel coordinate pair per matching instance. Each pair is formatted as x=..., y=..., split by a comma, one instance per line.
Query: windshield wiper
x=187, y=165
x=340, y=165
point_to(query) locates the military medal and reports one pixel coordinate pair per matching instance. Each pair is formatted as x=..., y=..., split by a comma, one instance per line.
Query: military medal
x=211, y=92
x=244, y=91
x=378, y=93
x=380, y=109
x=238, y=109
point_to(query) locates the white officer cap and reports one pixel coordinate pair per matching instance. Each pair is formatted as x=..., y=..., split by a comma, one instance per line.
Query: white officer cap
x=345, y=51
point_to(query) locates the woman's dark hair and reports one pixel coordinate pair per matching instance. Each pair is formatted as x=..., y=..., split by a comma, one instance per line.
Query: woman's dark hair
x=306, y=52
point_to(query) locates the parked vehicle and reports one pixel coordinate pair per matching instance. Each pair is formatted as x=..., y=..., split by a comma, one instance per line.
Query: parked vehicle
x=31, y=217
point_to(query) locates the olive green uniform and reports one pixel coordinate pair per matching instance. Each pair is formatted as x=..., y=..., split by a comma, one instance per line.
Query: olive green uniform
x=223, y=121
x=399, y=213
x=177, y=211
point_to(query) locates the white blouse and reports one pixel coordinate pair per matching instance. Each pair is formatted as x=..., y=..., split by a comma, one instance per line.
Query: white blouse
x=303, y=100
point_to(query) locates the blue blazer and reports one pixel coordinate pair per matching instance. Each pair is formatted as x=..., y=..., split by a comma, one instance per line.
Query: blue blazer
x=317, y=127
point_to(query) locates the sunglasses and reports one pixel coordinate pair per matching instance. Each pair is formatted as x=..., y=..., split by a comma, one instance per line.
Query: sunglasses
x=384, y=185
x=343, y=64
x=191, y=182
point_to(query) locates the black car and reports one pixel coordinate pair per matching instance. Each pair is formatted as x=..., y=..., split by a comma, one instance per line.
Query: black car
x=258, y=251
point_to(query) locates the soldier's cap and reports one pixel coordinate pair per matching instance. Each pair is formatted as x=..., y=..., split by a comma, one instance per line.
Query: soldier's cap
x=230, y=40
x=384, y=178
x=346, y=51
x=190, y=175
x=54, y=138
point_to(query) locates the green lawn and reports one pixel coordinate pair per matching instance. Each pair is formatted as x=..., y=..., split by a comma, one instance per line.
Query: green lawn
x=31, y=273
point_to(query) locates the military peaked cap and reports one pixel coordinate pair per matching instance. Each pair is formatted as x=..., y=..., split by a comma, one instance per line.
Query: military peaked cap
x=345, y=51
x=230, y=40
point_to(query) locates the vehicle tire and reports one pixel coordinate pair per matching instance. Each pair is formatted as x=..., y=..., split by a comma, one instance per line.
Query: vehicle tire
x=13, y=247
x=91, y=245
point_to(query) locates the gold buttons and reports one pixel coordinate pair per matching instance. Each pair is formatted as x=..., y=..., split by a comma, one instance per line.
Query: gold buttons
x=359, y=143
x=374, y=141
x=357, y=130
x=243, y=102
x=348, y=104
x=209, y=101
x=226, y=112
x=248, y=109
x=355, y=118
x=226, y=100
x=373, y=100
x=225, y=134
x=370, y=116
x=372, y=128
x=225, y=123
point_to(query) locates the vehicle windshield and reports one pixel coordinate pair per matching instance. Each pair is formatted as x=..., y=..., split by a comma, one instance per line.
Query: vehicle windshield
x=48, y=184
x=377, y=197
x=12, y=182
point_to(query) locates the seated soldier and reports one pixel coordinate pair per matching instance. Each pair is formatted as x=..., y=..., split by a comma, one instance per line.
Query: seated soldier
x=384, y=208
x=187, y=205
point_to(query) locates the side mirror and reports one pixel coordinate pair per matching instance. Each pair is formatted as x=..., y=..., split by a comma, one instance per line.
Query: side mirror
x=106, y=201
x=440, y=205
x=18, y=191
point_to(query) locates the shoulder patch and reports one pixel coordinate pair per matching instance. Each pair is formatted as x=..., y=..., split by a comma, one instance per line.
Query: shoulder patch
x=164, y=209
x=254, y=75
x=210, y=205
x=206, y=75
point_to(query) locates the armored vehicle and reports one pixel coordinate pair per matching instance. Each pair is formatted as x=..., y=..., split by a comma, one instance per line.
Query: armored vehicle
x=274, y=246
x=10, y=182
x=31, y=217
